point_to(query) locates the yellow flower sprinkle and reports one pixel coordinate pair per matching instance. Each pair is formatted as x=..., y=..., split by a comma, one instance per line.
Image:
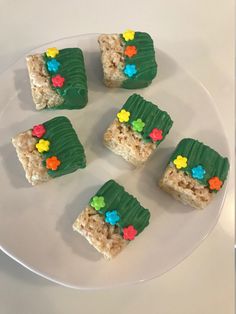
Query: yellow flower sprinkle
x=123, y=115
x=52, y=52
x=180, y=162
x=128, y=35
x=43, y=146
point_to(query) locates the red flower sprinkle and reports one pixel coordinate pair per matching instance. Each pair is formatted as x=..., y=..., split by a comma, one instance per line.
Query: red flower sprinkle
x=156, y=135
x=52, y=163
x=215, y=183
x=58, y=80
x=38, y=130
x=130, y=51
x=129, y=233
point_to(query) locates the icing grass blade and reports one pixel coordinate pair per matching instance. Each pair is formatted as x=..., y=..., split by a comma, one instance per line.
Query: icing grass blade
x=142, y=57
x=65, y=145
x=70, y=80
x=201, y=159
x=152, y=117
x=126, y=206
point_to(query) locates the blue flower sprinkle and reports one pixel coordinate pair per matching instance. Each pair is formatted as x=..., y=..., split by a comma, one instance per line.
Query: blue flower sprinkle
x=112, y=217
x=53, y=65
x=198, y=172
x=130, y=70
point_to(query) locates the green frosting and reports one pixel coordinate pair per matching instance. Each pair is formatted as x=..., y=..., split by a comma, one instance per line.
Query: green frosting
x=127, y=206
x=65, y=145
x=199, y=154
x=150, y=114
x=72, y=68
x=144, y=61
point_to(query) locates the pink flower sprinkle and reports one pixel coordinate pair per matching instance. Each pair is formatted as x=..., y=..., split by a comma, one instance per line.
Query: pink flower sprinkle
x=38, y=130
x=156, y=135
x=58, y=80
x=129, y=233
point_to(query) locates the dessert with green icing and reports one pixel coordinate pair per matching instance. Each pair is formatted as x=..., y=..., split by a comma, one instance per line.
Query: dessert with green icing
x=195, y=173
x=49, y=150
x=128, y=59
x=137, y=130
x=112, y=219
x=58, y=79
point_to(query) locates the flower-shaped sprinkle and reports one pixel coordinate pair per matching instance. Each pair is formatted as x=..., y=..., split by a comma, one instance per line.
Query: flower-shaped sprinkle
x=129, y=233
x=58, y=80
x=53, y=65
x=215, y=183
x=198, y=172
x=38, y=130
x=52, y=52
x=123, y=115
x=138, y=125
x=128, y=35
x=130, y=70
x=52, y=163
x=156, y=135
x=112, y=217
x=130, y=51
x=180, y=162
x=98, y=202
x=43, y=146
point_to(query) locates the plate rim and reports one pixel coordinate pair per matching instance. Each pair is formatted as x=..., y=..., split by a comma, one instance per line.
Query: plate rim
x=193, y=248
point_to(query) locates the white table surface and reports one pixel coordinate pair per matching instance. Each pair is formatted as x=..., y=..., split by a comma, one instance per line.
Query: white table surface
x=199, y=35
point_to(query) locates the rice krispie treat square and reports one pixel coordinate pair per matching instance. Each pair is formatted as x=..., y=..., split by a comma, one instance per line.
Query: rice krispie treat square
x=195, y=173
x=139, y=127
x=112, y=219
x=49, y=150
x=58, y=79
x=128, y=59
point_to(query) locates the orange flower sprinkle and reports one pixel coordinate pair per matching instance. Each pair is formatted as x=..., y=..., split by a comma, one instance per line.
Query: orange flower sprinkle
x=52, y=163
x=215, y=183
x=130, y=51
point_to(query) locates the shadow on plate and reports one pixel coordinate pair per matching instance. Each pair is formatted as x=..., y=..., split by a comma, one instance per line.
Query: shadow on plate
x=95, y=138
x=20, y=273
x=78, y=244
x=94, y=71
x=166, y=65
x=23, y=89
x=13, y=167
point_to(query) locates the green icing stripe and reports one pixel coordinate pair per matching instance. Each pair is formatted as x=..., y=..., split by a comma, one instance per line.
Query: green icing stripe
x=72, y=68
x=65, y=145
x=127, y=206
x=144, y=60
x=151, y=115
x=199, y=154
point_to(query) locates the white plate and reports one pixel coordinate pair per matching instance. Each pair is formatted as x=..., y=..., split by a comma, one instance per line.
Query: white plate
x=35, y=222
